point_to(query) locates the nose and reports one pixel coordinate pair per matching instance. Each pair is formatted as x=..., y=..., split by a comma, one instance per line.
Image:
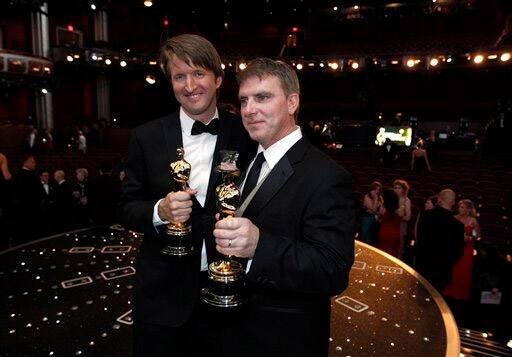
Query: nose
x=249, y=108
x=190, y=84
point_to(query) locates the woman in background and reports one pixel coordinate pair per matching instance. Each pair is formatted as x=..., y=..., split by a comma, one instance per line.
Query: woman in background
x=462, y=272
x=389, y=230
x=401, y=188
x=373, y=206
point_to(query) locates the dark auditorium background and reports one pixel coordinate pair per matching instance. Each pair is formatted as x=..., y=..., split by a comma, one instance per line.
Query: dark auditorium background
x=77, y=76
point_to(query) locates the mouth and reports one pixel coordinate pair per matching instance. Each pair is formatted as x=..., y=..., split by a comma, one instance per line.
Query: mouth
x=193, y=97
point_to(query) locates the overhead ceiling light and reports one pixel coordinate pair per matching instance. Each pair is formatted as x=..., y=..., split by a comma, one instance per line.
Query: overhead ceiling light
x=505, y=57
x=108, y=62
x=242, y=66
x=410, y=63
x=335, y=8
x=150, y=79
x=93, y=6
x=354, y=65
x=493, y=56
x=148, y=3
x=69, y=58
x=299, y=66
x=478, y=59
x=223, y=66
x=122, y=63
x=44, y=90
x=434, y=62
x=356, y=7
x=94, y=57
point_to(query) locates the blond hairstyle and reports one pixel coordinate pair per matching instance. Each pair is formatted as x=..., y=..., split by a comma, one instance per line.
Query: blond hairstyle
x=402, y=183
x=192, y=49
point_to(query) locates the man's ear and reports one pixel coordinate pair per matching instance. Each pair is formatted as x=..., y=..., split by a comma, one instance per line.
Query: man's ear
x=293, y=103
x=218, y=82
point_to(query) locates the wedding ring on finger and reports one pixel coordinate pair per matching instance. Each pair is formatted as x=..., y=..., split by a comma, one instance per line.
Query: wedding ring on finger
x=229, y=243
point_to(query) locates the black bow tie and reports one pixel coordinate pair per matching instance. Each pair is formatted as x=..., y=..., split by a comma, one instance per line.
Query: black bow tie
x=199, y=128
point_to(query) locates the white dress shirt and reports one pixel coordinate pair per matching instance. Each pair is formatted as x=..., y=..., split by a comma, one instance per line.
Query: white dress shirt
x=273, y=154
x=199, y=151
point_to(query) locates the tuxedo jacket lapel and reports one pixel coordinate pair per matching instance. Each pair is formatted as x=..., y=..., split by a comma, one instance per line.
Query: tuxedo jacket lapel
x=221, y=144
x=276, y=179
x=171, y=127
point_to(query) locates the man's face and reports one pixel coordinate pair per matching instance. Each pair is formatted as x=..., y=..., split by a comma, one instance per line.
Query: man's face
x=45, y=177
x=267, y=113
x=195, y=88
x=30, y=163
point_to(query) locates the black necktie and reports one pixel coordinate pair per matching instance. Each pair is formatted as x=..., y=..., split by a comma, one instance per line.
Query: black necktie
x=252, y=177
x=199, y=127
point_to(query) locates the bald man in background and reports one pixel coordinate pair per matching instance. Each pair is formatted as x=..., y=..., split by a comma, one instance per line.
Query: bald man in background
x=440, y=241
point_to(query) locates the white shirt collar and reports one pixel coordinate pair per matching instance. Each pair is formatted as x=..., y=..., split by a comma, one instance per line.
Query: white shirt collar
x=187, y=122
x=276, y=151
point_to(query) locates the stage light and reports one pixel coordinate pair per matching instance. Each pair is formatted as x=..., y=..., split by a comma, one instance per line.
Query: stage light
x=410, y=63
x=449, y=59
x=93, y=6
x=150, y=79
x=394, y=62
x=148, y=3
x=242, y=66
x=70, y=28
x=311, y=64
x=434, y=62
x=223, y=66
x=226, y=25
x=152, y=63
x=122, y=63
x=295, y=29
x=491, y=57
x=128, y=50
x=108, y=62
x=354, y=65
x=509, y=343
x=44, y=90
x=299, y=66
x=94, y=57
x=335, y=8
x=505, y=57
x=69, y=58
x=356, y=7
x=478, y=59
x=334, y=65
x=321, y=64
x=166, y=22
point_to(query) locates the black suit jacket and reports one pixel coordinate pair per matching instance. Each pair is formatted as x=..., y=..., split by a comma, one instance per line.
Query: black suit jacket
x=167, y=290
x=440, y=245
x=304, y=211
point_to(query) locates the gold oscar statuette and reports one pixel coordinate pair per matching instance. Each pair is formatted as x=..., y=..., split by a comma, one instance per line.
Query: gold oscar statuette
x=226, y=276
x=178, y=235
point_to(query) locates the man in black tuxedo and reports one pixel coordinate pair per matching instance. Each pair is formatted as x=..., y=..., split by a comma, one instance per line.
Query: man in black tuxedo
x=27, y=200
x=440, y=241
x=389, y=153
x=46, y=204
x=63, y=194
x=168, y=316
x=296, y=228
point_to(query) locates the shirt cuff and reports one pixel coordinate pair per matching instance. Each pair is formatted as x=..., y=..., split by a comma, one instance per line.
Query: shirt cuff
x=156, y=218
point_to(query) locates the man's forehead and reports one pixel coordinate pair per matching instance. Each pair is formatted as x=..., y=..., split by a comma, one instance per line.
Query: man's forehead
x=260, y=83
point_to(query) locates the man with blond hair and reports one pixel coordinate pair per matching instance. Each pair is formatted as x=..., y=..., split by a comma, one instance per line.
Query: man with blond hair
x=168, y=317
